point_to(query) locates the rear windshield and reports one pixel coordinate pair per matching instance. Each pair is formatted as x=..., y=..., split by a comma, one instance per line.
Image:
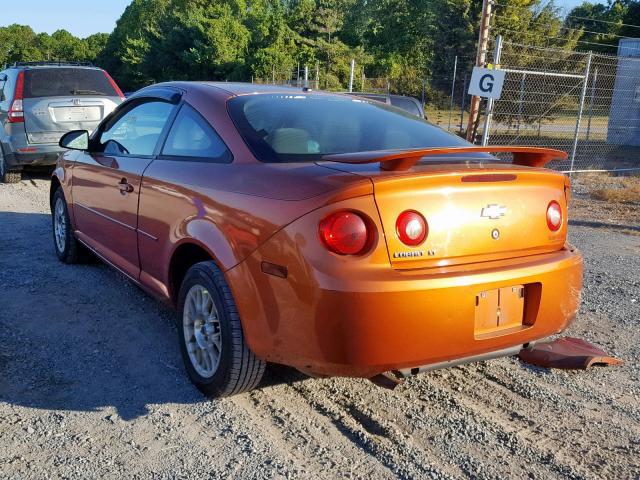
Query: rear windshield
x=62, y=82
x=303, y=128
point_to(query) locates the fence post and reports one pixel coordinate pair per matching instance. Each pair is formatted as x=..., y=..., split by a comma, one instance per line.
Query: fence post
x=583, y=94
x=521, y=102
x=593, y=92
x=353, y=66
x=306, y=77
x=489, y=112
x=463, y=101
x=453, y=86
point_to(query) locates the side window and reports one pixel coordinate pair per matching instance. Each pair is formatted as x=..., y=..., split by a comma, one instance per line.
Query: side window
x=191, y=136
x=405, y=104
x=136, y=132
x=3, y=90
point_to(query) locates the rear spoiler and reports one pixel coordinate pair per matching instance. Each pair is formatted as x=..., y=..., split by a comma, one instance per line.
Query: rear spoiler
x=399, y=160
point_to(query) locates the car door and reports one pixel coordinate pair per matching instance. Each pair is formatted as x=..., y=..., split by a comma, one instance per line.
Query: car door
x=192, y=156
x=106, y=180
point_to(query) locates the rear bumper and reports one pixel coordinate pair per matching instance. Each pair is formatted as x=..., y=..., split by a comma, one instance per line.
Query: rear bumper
x=400, y=319
x=32, y=155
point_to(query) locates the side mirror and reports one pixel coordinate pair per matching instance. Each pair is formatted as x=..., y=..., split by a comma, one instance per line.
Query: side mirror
x=75, y=140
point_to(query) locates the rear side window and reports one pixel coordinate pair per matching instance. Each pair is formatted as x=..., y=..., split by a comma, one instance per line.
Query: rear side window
x=406, y=104
x=137, y=131
x=62, y=82
x=192, y=137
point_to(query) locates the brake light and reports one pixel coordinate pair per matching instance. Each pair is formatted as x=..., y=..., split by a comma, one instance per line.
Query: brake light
x=554, y=216
x=114, y=85
x=411, y=228
x=345, y=233
x=16, y=112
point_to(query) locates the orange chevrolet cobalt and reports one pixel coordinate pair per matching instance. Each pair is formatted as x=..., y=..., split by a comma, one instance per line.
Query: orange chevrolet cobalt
x=337, y=235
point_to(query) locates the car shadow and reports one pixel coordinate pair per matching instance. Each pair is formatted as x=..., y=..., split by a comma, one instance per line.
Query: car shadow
x=82, y=337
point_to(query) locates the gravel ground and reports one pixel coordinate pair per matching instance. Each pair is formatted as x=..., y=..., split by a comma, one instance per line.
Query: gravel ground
x=92, y=386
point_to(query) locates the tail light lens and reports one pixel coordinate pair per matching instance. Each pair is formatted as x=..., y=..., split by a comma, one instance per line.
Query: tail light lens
x=345, y=233
x=411, y=228
x=554, y=216
x=16, y=112
x=114, y=85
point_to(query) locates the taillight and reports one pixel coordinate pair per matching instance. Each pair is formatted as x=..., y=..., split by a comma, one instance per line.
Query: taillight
x=114, y=85
x=16, y=112
x=554, y=216
x=345, y=233
x=411, y=228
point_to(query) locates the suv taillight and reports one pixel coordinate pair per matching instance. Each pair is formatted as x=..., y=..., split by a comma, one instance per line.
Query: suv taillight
x=16, y=112
x=114, y=85
x=345, y=233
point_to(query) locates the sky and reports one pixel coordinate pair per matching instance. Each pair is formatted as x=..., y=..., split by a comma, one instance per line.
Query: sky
x=80, y=17
x=85, y=17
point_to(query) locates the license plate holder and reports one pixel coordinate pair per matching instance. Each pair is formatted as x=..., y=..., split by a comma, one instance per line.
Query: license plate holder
x=499, y=311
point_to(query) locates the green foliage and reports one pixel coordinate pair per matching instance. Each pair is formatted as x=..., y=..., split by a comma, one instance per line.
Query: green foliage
x=19, y=43
x=404, y=43
x=603, y=24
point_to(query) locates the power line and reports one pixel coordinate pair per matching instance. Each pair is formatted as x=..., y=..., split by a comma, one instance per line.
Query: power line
x=521, y=7
x=560, y=38
x=603, y=21
x=569, y=28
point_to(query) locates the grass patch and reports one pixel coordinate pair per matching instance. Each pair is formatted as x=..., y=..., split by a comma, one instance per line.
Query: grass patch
x=627, y=191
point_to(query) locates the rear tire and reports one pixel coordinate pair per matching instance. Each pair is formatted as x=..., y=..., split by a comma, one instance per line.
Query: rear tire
x=67, y=247
x=215, y=353
x=6, y=176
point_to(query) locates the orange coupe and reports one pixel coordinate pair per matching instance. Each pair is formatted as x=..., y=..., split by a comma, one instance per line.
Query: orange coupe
x=334, y=234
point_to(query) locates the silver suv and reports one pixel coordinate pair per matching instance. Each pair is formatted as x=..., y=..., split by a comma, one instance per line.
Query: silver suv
x=40, y=101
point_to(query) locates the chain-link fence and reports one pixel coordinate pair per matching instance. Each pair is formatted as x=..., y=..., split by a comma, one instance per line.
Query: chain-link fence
x=584, y=103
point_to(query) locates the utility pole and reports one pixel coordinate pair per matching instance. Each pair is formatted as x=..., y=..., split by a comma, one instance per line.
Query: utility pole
x=481, y=55
x=353, y=67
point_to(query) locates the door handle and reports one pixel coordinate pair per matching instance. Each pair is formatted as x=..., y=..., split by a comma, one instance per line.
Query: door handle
x=125, y=187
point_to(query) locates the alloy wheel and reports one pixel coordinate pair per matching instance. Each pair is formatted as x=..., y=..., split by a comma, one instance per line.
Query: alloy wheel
x=60, y=225
x=202, y=335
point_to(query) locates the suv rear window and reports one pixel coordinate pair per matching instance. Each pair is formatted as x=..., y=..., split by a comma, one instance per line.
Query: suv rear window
x=63, y=82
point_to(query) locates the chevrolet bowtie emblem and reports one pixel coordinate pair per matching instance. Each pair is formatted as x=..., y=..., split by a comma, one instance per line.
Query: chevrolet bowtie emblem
x=493, y=211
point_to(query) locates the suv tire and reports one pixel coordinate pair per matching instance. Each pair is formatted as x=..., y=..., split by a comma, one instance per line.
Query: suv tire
x=5, y=176
x=215, y=353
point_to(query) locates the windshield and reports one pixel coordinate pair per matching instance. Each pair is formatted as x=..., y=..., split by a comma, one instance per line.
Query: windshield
x=303, y=127
x=63, y=82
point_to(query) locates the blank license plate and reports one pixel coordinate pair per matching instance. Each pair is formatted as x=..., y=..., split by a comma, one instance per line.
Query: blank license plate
x=498, y=310
x=78, y=114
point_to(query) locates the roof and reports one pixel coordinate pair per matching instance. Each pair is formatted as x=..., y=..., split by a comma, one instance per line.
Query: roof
x=50, y=64
x=244, y=88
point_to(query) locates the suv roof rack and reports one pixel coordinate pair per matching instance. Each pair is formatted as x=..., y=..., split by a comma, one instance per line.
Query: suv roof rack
x=51, y=63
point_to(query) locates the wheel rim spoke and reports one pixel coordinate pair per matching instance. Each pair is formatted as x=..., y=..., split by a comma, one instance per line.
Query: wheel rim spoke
x=60, y=225
x=202, y=334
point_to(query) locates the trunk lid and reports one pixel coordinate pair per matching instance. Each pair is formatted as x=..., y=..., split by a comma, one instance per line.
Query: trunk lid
x=474, y=213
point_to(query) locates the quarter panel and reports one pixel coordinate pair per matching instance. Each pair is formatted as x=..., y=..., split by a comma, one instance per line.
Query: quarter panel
x=210, y=204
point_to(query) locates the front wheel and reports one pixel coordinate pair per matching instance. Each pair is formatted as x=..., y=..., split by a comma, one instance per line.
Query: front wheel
x=216, y=356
